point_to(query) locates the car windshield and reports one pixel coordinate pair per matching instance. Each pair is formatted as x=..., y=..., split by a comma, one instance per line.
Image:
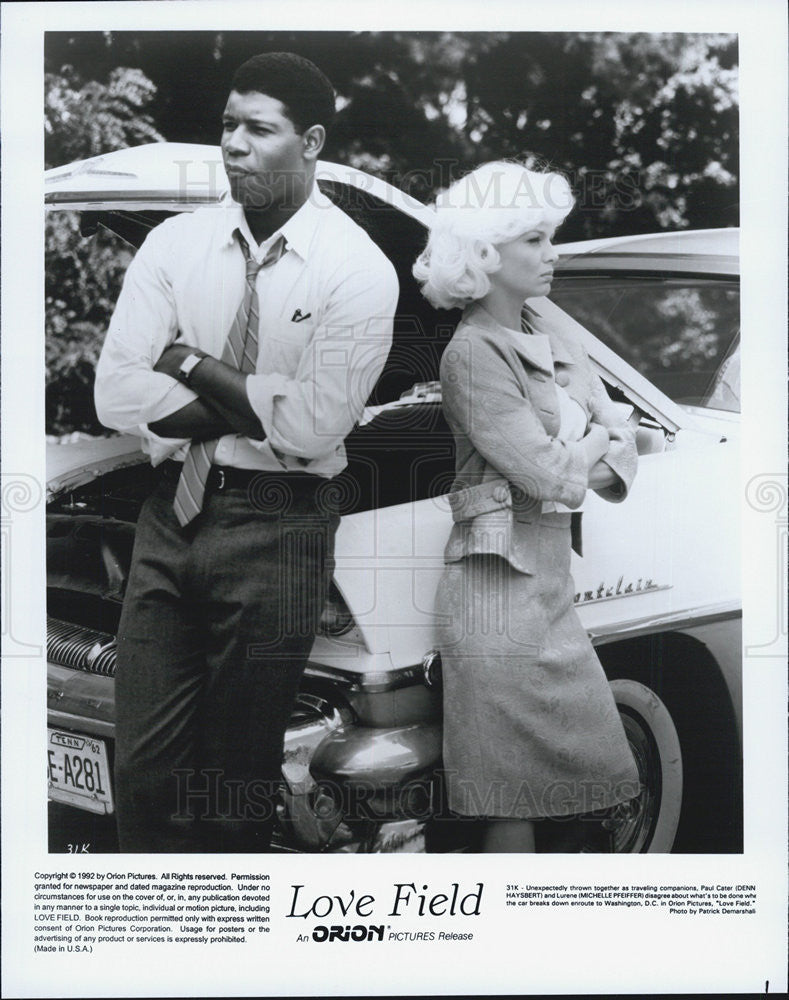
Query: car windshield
x=681, y=334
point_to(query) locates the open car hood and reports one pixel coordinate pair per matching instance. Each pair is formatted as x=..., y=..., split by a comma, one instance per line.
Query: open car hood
x=180, y=177
x=72, y=465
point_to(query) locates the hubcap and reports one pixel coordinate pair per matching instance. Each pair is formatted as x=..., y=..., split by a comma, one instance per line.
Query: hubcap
x=632, y=823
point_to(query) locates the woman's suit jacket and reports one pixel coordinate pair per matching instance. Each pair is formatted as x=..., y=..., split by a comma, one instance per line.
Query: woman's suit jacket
x=500, y=401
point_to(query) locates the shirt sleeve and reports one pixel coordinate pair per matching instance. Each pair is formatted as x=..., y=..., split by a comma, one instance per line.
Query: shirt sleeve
x=129, y=394
x=483, y=400
x=310, y=414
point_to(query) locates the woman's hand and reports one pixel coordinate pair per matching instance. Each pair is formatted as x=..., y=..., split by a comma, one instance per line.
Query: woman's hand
x=595, y=444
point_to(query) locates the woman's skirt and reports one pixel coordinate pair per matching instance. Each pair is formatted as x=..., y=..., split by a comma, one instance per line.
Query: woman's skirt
x=530, y=724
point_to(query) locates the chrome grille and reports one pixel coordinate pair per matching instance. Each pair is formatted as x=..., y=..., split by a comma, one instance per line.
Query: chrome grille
x=80, y=648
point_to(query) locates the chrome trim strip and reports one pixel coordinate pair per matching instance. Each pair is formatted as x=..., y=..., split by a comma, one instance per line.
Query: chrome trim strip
x=80, y=648
x=669, y=266
x=676, y=621
x=370, y=683
x=80, y=724
x=121, y=200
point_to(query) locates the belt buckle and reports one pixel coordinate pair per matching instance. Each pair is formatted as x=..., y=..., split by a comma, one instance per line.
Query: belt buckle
x=220, y=485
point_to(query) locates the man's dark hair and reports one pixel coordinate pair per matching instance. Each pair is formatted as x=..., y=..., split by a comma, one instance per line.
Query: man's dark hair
x=305, y=91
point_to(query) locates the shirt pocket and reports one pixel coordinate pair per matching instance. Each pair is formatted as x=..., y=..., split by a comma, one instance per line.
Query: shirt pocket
x=282, y=344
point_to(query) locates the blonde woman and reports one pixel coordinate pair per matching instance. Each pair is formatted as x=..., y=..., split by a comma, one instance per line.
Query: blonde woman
x=530, y=725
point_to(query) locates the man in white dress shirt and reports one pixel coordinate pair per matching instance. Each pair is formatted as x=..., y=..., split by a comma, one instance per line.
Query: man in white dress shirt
x=243, y=347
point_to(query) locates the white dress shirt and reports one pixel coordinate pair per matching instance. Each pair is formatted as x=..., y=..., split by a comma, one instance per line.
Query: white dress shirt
x=326, y=314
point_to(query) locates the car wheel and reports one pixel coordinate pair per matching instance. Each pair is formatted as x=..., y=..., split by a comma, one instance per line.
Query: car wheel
x=647, y=823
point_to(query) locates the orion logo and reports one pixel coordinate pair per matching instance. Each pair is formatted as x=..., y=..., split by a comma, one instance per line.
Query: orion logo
x=359, y=932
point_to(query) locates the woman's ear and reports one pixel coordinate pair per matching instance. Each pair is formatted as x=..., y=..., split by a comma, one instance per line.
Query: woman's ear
x=313, y=140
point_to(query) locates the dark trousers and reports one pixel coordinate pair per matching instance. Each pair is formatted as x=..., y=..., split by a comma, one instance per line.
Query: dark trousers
x=217, y=623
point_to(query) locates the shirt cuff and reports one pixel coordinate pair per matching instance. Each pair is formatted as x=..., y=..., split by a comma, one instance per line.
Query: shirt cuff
x=159, y=448
x=173, y=399
x=262, y=391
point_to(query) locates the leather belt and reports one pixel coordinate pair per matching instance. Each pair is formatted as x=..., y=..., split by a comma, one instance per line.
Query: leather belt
x=225, y=477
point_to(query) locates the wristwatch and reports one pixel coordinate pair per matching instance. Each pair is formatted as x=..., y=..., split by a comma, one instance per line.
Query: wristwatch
x=188, y=365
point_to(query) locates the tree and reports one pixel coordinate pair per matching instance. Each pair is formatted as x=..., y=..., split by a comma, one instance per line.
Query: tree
x=81, y=282
x=83, y=276
x=644, y=125
x=85, y=119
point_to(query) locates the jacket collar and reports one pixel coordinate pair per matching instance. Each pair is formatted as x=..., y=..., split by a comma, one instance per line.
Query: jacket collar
x=529, y=349
x=559, y=350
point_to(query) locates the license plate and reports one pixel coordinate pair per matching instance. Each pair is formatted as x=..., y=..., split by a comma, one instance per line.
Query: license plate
x=77, y=771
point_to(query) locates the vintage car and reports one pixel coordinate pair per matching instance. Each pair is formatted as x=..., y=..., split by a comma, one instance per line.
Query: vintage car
x=657, y=587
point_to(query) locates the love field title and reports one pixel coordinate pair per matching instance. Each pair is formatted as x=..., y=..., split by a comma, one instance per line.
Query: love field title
x=408, y=899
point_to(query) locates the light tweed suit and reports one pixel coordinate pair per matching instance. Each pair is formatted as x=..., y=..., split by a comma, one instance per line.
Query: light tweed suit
x=531, y=728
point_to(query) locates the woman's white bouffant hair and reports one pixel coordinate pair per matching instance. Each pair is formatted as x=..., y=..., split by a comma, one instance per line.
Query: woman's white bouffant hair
x=493, y=204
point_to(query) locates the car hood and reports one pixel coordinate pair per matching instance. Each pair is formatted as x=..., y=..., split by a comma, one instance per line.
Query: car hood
x=72, y=465
x=180, y=177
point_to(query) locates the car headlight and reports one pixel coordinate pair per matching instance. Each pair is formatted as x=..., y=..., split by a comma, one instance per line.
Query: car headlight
x=336, y=618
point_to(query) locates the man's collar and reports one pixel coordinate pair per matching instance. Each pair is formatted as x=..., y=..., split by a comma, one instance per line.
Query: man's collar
x=299, y=230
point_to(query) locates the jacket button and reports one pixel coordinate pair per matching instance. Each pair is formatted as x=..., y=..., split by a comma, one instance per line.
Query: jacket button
x=501, y=494
x=562, y=378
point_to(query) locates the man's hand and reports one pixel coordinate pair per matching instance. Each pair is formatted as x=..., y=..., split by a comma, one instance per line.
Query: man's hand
x=171, y=360
x=224, y=388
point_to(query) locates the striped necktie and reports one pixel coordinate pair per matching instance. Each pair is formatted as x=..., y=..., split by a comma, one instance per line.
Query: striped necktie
x=240, y=351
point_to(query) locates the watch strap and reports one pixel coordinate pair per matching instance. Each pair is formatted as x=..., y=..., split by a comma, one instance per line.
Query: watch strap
x=188, y=365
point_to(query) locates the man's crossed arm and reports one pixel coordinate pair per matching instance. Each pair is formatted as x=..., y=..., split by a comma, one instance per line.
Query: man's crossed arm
x=223, y=406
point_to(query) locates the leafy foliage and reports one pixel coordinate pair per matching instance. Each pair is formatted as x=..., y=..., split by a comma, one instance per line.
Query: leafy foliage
x=82, y=279
x=645, y=125
x=85, y=119
x=83, y=276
